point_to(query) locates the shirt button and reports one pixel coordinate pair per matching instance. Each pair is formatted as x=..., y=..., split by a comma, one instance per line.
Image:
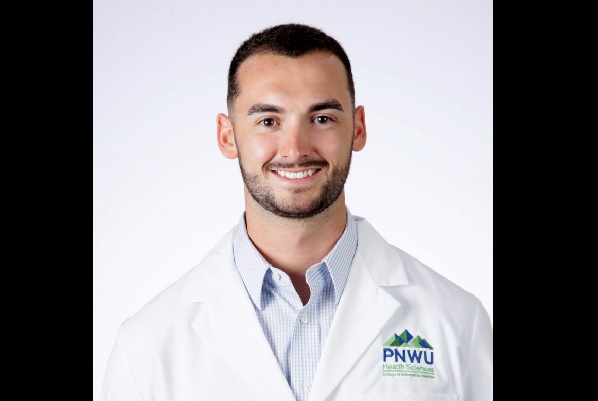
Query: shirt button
x=307, y=387
x=304, y=320
x=277, y=276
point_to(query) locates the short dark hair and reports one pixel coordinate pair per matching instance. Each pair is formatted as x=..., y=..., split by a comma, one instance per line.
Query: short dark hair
x=292, y=40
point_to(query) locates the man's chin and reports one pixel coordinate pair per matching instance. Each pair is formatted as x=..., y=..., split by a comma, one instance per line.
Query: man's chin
x=295, y=215
x=298, y=211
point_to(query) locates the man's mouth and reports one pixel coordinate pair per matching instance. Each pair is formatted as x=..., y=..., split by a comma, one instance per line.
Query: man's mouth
x=295, y=175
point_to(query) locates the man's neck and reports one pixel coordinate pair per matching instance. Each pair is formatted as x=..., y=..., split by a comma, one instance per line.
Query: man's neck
x=294, y=245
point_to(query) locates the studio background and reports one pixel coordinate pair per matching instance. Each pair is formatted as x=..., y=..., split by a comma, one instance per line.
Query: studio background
x=163, y=194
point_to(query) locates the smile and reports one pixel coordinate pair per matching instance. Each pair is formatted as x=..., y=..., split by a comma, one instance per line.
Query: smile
x=295, y=175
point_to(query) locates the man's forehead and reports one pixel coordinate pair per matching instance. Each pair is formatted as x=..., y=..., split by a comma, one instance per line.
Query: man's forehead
x=292, y=82
x=273, y=59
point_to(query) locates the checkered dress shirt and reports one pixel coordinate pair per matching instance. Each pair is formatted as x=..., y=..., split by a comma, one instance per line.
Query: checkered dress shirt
x=296, y=332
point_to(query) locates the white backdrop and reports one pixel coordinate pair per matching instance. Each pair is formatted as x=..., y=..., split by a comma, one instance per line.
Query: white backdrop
x=163, y=193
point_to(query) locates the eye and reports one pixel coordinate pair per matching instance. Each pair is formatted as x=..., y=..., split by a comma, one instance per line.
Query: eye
x=267, y=122
x=322, y=119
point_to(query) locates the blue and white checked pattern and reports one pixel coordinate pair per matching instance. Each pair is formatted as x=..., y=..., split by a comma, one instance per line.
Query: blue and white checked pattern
x=296, y=333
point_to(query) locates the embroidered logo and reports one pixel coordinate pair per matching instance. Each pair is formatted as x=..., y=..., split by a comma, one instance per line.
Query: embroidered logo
x=405, y=355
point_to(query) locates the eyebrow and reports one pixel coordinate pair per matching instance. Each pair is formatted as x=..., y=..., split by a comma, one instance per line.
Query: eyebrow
x=264, y=108
x=327, y=104
x=271, y=108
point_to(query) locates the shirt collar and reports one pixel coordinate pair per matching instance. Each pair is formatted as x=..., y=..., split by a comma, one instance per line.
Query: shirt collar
x=253, y=266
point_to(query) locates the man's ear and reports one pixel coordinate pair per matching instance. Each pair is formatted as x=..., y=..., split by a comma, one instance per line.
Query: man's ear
x=226, y=136
x=360, y=133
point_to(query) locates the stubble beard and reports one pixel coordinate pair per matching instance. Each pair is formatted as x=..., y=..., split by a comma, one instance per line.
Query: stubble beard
x=259, y=190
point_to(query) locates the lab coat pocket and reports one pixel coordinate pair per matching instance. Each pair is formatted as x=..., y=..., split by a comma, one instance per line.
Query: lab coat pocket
x=406, y=397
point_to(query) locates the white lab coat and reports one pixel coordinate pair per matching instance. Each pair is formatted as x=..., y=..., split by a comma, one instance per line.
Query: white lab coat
x=200, y=339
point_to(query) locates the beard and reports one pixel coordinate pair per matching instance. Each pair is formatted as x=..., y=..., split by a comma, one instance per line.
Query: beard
x=264, y=196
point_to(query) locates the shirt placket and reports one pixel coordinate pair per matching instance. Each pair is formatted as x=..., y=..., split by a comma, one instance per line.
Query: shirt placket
x=304, y=349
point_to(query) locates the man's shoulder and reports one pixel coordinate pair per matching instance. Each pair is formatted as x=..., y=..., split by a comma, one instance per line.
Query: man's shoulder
x=387, y=259
x=189, y=289
x=432, y=280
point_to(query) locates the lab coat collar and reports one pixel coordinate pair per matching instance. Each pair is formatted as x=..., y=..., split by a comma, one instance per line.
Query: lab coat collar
x=227, y=318
x=381, y=258
x=364, y=308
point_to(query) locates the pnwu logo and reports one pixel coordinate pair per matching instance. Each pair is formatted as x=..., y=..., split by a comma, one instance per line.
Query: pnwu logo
x=406, y=355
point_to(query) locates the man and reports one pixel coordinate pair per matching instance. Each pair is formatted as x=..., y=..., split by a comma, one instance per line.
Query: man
x=302, y=300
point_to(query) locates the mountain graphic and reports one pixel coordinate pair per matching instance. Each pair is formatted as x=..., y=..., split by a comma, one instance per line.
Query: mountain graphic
x=419, y=342
x=404, y=340
x=399, y=340
x=394, y=341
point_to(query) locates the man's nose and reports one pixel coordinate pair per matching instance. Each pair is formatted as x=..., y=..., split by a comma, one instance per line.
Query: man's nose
x=295, y=142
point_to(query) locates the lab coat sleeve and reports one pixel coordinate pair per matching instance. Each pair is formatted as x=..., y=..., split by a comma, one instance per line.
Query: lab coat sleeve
x=478, y=379
x=119, y=382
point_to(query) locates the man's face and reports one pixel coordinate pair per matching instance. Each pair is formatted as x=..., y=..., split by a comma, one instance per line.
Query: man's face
x=293, y=131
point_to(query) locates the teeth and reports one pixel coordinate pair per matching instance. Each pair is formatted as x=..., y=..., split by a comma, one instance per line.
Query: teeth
x=293, y=175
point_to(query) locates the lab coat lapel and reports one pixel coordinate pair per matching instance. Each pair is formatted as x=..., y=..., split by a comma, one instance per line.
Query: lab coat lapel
x=230, y=324
x=364, y=308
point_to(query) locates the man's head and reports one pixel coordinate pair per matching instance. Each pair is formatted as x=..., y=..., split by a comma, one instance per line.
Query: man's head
x=292, y=121
x=291, y=40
